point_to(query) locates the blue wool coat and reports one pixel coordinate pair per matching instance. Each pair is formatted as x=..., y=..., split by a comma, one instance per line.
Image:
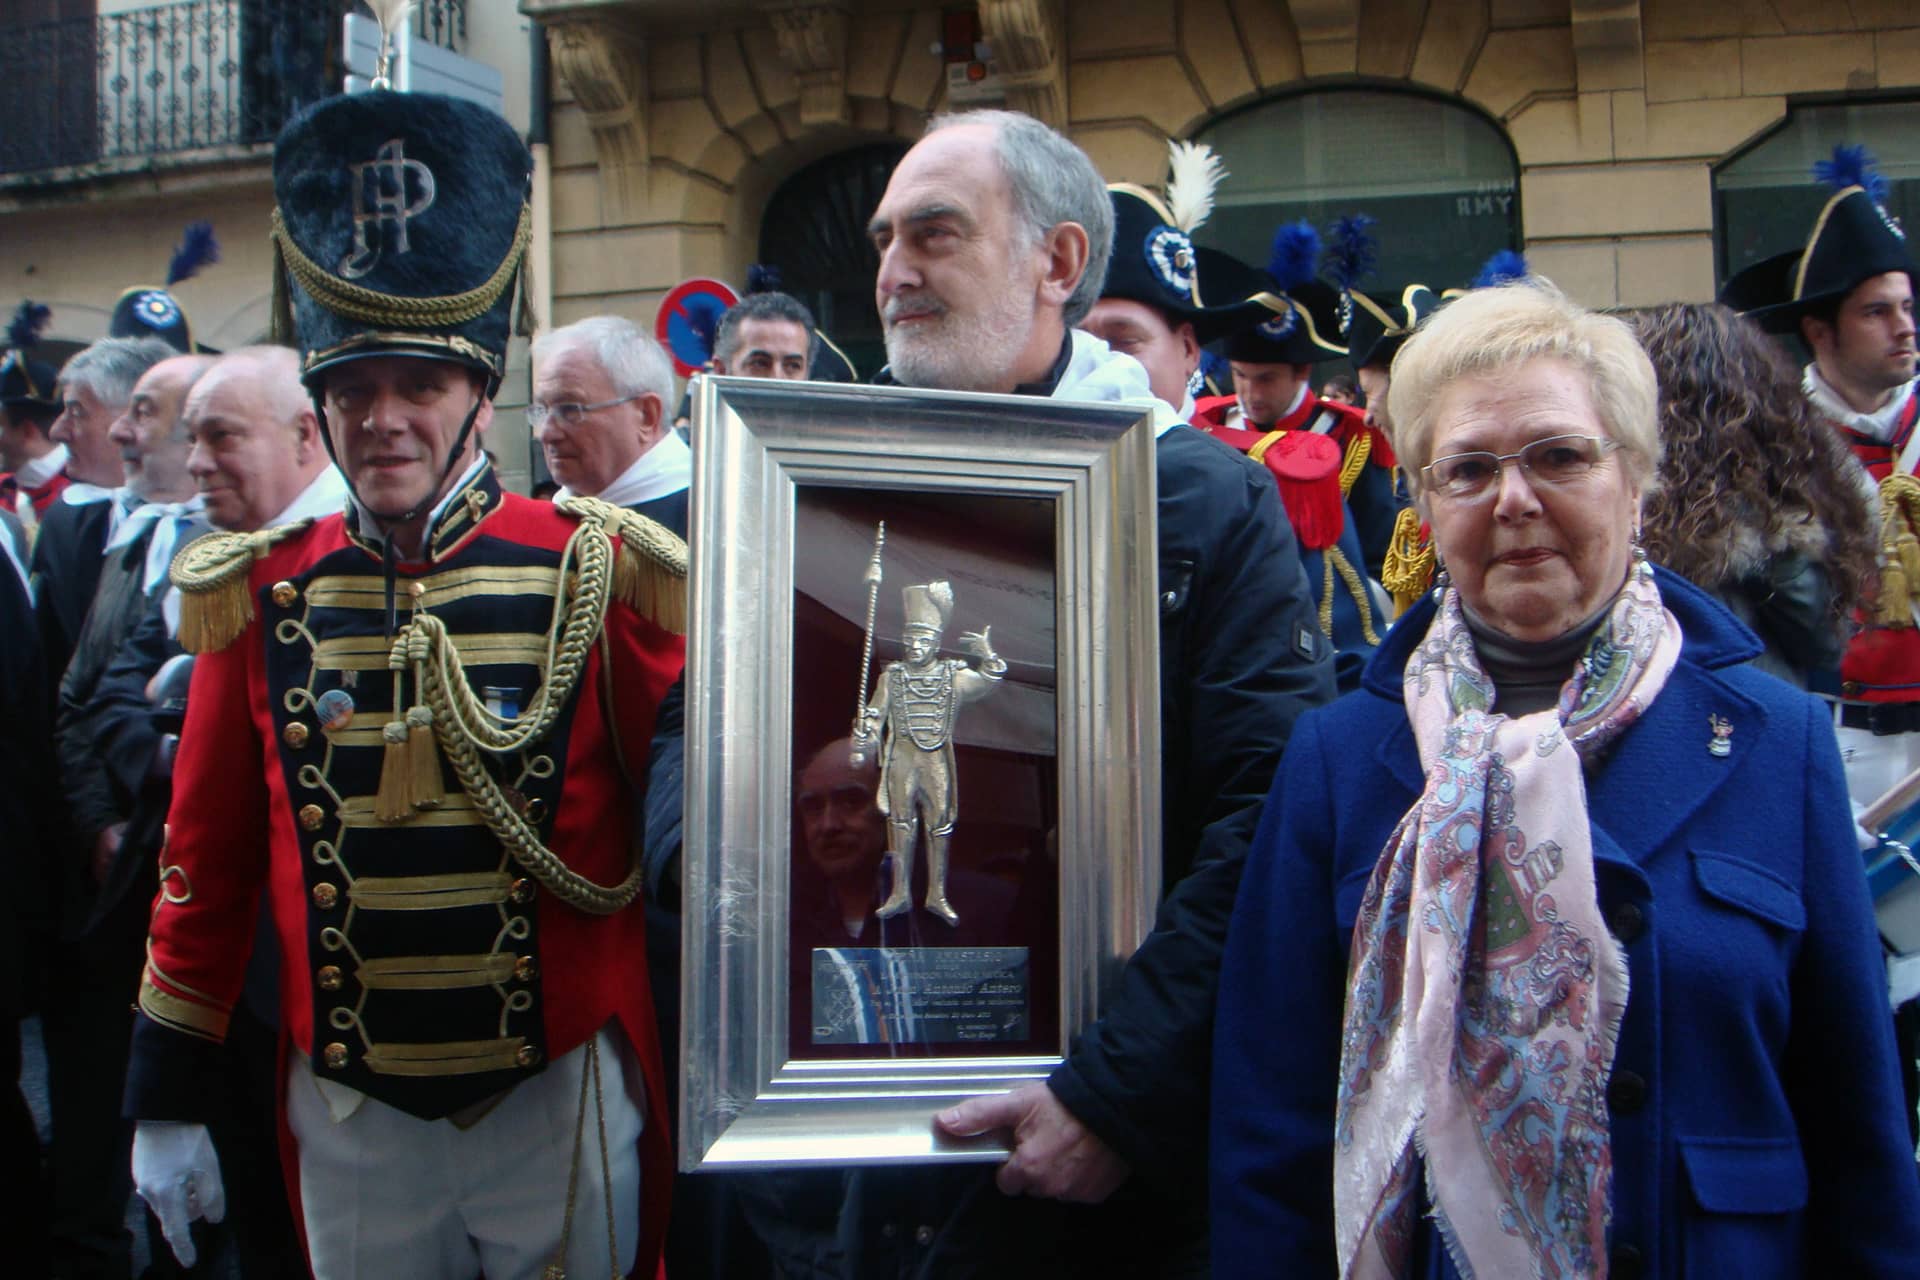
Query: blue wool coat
x=1755, y=1105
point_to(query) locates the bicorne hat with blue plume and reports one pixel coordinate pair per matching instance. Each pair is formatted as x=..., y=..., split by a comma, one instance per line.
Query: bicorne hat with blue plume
x=1373, y=325
x=1853, y=240
x=1288, y=314
x=400, y=226
x=152, y=311
x=26, y=383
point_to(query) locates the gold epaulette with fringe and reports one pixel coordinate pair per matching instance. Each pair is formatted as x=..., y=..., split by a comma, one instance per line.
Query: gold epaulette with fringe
x=211, y=573
x=650, y=575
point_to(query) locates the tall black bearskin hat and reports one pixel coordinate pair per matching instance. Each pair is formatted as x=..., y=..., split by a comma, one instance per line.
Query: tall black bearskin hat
x=400, y=227
x=151, y=311
x=1854, y=239
x=25, y=383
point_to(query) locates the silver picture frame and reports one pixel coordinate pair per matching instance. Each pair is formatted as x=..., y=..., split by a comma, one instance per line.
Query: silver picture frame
x=784, y=475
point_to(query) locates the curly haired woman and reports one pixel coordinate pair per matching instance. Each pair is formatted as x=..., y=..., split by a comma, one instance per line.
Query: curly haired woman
x=1757, y=501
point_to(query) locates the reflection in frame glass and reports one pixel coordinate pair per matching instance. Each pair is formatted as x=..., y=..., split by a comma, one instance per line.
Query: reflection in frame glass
x=1014, y=536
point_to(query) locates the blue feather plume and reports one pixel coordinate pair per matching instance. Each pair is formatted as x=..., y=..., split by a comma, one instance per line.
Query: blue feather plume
x=1504, y=267
x=763, y=277
x=197, y=249
x=29, y=318
x=1353, y=251
x=1296, y=255
x=1852, y=167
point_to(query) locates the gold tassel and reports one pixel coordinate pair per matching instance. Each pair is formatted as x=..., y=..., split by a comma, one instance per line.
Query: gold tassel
x=1408, y=570
x=213, y=617
x=425, y=788
x=391, y=802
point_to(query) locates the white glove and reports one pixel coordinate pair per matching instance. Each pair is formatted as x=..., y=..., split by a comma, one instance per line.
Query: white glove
x=177, y=1173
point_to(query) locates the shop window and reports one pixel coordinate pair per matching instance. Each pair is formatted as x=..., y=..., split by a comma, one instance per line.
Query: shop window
x=1440, y=178
x=1765, y=196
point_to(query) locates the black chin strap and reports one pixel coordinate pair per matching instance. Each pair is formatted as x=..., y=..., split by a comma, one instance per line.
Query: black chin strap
x=388, y=558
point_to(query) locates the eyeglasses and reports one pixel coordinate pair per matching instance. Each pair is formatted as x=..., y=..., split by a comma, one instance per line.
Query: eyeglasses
x=1553, y=460
x=571, y=414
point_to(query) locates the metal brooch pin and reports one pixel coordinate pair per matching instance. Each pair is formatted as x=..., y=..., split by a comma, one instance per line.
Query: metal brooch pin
x=1722, y=741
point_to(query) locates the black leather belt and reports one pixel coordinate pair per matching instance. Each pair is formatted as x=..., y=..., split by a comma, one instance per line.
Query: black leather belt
x=1883, y=718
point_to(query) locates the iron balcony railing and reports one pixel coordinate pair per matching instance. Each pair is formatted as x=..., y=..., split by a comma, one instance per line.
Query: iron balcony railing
x=175, y=77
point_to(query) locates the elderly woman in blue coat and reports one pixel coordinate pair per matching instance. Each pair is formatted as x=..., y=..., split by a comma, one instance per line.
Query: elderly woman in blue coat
x=1554, y=954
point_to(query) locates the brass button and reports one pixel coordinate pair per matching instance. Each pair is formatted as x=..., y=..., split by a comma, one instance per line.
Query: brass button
x=295, y=735
x=528, y=1056
x=311, y=816
x=416, y=589
x=329, y=977
x=536, y=809
x=284, y=594
x=325, y=895
x=526, y=968
x=522, y=891
x=335, y=1055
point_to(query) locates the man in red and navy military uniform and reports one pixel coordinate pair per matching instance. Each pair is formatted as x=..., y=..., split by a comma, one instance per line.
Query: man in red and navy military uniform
x=413, y=728
x=1848, y=294
x=1289, y=325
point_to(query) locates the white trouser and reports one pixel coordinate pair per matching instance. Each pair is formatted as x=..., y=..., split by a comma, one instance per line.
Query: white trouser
x=386, y=1194
x=1875, y=762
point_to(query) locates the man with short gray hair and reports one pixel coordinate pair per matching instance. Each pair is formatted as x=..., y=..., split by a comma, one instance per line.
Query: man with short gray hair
x=600, y=389
x=94, y=390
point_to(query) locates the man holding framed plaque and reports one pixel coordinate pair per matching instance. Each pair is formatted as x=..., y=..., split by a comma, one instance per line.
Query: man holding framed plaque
x=994, y=236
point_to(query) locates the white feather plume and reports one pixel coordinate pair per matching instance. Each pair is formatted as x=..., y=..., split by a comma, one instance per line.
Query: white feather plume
x=1195, y=172
x=391, y=15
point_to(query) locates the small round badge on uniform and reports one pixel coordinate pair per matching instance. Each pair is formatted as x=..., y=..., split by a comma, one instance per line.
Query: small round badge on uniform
x=157, y=307
x=334, y=709
x=1170, y=252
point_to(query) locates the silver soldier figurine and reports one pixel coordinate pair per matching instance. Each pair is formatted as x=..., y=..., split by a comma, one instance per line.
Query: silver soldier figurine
x=911, y=720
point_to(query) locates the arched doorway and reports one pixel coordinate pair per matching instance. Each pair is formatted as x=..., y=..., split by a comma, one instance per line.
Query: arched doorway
x=815, y=232
x=1439, y=176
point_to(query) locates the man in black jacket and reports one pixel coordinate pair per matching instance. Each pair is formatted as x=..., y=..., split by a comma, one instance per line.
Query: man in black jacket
x=994, y=236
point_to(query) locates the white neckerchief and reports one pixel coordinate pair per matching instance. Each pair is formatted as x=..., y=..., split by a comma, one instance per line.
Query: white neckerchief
x=123, y=499
x=325, y=495
x=666, y=468
x=166, y=520
x=37, y=471
x=1878, y=425
x=1096, y=372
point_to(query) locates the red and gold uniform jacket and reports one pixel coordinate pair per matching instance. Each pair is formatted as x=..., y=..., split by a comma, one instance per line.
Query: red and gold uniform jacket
x=1366, y=458
x=429, y=958
x=1882, y=661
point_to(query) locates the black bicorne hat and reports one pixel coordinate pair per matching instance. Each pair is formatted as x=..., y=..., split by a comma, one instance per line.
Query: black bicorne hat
x=1285, y=314
x=152, y=311
x=1155, y=261
x=1853, y=240
x=1379, y=327
x=400, y=226
x=26, y=383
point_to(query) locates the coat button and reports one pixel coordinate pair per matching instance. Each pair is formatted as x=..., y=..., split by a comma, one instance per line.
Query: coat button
x=284, y=594
x=335, y=1055
x=328, y=978
x=1627, y=1092
x=923, y=1235
x=325, y=895
x=1626, y=1262
x=295, y=735
x=528, y=1056
x=311, y=816
x=522, y=891
x=526, y=968
x=1628, y=922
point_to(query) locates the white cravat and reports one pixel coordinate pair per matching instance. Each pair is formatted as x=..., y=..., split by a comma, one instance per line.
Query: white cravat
x=38, y=471
x=166, y=519
x=664, y=469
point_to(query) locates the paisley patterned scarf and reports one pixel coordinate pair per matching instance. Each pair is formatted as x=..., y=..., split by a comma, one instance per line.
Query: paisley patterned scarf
x=1485, y=993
